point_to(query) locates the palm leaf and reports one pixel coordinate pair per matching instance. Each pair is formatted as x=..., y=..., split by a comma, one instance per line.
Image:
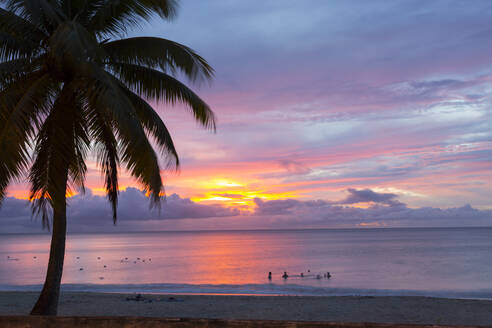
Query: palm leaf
x=154, y=126
x=136, y=152
x=101, y=131
x=169, y=56
x=15, y=69
x=157, y=85
x=13, y=48
x=114, y=17
x=40, y=13
x=20, y=28
x=22, y=107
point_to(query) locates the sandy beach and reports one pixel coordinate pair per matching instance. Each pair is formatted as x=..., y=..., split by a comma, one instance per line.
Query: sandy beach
x=417, y=310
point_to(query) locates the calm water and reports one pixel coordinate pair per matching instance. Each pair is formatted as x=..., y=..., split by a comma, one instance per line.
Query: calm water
x=436, y=262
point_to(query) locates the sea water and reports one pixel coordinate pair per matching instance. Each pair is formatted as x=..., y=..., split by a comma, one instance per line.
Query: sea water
x=446, y=262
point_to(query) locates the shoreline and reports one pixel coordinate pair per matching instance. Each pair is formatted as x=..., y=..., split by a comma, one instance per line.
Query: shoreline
x=377, y=309
x=252, y=289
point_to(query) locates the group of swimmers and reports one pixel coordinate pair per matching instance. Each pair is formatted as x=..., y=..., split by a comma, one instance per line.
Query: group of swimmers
x=326, y=275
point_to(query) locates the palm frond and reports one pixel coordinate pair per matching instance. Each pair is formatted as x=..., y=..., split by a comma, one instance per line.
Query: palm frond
x=13, y=48
x=40, y=13
x=20, y=28
x=169, y=56
x=157, y=85
x=136, y=152
x=22, y=107
x=155, y=127
x=114, y=17
x=100, y=126
x=15, y=69
x=77, y=167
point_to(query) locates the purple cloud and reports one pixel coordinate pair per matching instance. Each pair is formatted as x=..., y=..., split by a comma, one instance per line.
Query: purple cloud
x=367, y=195
x=92, y=212
x=89, y=213
x=302, y=214
x=134, y=205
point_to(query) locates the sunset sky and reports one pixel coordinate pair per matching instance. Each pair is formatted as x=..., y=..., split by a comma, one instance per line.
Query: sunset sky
x=330, y=114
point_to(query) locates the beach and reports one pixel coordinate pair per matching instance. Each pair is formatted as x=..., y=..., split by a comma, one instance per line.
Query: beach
x=380, y=309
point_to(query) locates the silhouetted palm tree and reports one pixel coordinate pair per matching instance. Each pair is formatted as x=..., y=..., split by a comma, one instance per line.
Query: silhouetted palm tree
x=68, y=85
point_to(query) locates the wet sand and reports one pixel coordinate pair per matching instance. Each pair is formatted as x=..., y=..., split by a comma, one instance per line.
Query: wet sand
x=403, y=309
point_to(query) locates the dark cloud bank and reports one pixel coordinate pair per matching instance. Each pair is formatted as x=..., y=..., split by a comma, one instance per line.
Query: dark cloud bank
x=92, y=213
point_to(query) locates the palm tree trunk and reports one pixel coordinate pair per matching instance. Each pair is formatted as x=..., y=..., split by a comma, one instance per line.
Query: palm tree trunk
x=47, y=303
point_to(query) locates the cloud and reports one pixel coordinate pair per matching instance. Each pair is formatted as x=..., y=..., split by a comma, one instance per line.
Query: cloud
x=89, y=213
x=293, y=167
x=286, y=206
x=12, y=207
x=327, y=215
x=367, y=195
x=92, y=212
x=134, y=205
x=293, y=206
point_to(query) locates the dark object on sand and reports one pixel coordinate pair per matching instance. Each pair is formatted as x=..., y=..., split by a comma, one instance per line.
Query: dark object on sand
x=139, y=298
x=81, y=269
x=302, y=275
x=328, y=275
x=285, y=275
x=269, y=275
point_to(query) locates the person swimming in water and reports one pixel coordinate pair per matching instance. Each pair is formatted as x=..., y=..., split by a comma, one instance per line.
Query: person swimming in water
x=285, y=275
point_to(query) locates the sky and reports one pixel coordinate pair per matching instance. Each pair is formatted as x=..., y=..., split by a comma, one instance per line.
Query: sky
x=331, y=114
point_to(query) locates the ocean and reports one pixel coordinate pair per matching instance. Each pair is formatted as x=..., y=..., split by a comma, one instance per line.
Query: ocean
x=441, y=262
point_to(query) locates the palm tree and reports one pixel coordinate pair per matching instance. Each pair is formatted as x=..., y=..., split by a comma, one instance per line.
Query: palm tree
x=71, y=83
